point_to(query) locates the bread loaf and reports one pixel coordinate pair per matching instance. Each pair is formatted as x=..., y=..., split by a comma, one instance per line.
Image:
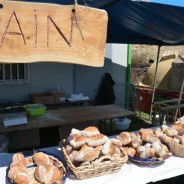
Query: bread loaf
x=19, y=157
x=159, y=149
x=77, y=141
x=48, y=174
x=125, y=138
x=21, y=177
x=87, y=155
x=145, y=152
x=17, y=164
x=90, y=131
x=75, y=132
x=136, y=140
x=179, y=128
x=116, y=142
x=41, y=158
x=108, y=148
x=129, y=151
x=149, y=137
x=14, y=170
x=97, y=140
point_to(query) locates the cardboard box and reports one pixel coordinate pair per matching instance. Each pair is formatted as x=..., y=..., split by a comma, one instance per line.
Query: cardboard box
x=43, y=98
x=59, y=97
x=48, y=98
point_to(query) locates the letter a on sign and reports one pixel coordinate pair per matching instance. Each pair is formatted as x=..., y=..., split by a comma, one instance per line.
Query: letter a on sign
x=38, y=32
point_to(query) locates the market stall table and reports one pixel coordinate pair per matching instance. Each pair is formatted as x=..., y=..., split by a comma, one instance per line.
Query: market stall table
x=129, y=173
x=72, y=115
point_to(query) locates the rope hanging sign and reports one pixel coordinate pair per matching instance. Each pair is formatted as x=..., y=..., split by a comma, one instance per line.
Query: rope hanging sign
x=38, y=32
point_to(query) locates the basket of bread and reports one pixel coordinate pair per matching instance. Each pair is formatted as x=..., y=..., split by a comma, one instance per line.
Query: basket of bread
x=89, y=153
x=37, y=168
x=144, y=147
x=174, y=136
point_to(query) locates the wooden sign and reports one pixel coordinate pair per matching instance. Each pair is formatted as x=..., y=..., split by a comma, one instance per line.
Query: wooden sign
x=32, y=32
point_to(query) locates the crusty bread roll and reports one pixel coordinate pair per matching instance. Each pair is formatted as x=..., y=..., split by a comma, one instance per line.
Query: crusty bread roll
x=75, y=132
x=97, y=140
x=129, y=151
x=48, y=174
x=99, y=148
x=72, y=156
x=136, y=140
x=77, y=141
x=14, y=170
x=108, y=148
x=17, y=164
x=90, y=131
x=143, y=130
x=41, y=158
x=116, y=142
x=19, y=157
x=145, y=152
x=170, y=132
x=125, y=138
x=54, y=176
x=159, y=149
x=164, y=138
x=87, y=155
x=180, y=138
x=179, y=128
x=157, y=131
x=21, y=177
x=40, y=173
x=149, y=137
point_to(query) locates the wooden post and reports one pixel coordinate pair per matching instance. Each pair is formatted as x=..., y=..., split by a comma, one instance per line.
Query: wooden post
x=179, y=100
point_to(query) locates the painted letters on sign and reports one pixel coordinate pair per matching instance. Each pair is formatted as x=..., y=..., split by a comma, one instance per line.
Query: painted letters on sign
x=32, y=32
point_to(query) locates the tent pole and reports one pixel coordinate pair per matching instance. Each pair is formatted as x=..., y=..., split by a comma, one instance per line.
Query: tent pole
x=154, y=83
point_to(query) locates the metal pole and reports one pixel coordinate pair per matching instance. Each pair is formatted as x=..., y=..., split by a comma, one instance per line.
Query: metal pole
x=154, y=83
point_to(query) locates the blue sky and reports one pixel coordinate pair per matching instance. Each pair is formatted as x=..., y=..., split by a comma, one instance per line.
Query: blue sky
x=169, y=2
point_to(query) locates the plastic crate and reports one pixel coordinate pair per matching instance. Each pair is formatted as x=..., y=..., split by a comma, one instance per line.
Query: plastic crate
x=34, y=110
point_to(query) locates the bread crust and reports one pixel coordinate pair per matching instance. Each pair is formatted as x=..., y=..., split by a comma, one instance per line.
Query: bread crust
x=41, y=158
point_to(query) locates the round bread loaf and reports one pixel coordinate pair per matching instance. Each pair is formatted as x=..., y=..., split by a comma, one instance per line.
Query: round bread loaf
x=125, y=138
x=17, y=164
x=97, y=140
x=48, y=174
x=19, y=157
x=77, y=141
x=89, y=131
x=14, y=170
x=21, y=177
x=108, y=148
x=87, y=155
x=41, y=158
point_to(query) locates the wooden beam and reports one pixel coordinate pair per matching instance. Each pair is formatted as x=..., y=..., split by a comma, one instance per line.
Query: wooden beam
x=172, y=107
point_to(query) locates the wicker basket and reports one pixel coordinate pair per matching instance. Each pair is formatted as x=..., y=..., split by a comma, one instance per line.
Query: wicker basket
x=176, y=149
x=103, y=166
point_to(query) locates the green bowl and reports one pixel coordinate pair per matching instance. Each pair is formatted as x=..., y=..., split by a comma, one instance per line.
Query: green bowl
x=35, y=110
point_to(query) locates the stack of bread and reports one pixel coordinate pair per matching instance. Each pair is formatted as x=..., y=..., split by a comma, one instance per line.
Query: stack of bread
x=143, y=144
x=39, y=168
x=173, y=134
x=84, y=147
x=180, y=120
